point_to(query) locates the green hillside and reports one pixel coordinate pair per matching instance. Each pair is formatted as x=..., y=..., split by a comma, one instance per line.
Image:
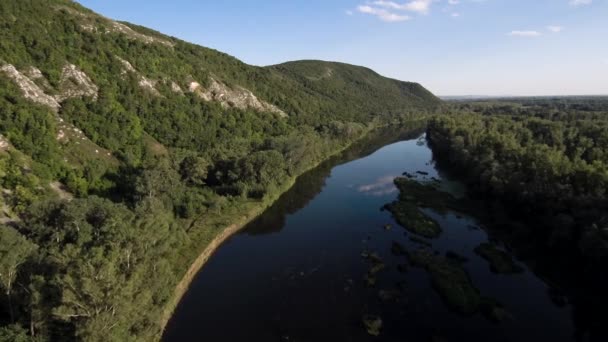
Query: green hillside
x=124, y=152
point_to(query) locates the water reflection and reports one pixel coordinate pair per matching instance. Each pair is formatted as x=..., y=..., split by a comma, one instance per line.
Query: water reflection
x=311, y=183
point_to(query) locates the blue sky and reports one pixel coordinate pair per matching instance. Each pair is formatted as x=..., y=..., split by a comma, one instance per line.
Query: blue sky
x=453, y=47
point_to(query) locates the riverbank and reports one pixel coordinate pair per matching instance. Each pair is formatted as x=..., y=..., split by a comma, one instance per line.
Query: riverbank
x=324, y=260
x=252, y=210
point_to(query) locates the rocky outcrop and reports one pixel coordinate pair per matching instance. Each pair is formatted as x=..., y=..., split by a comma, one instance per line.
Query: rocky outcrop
x=176, y=88
x=3, y=143
x=143, y=81
x=75, y=83
x=92, y=23
x=30, y=90
x=116, y=27
x=237, y=97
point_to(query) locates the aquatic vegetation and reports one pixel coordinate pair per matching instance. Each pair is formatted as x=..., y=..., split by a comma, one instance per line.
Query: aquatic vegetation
x=500, y=261
x=414, y=220
x=415, y=195
x=450, y=280
x=426, y=195
x=373, y=324
x=376, y=265
x=370, y=279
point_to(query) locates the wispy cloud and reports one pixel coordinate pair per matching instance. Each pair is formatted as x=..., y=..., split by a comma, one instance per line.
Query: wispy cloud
x=580, y=2
x=382, y=186
x=418, y=6
x=382, y=14
x=453, y=2
x=555, y=28
x=455, y=15
x=524, y=33
x=391, y=11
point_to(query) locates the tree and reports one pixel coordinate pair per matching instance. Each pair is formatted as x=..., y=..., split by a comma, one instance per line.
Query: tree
x=14, y=252
x=195, y=170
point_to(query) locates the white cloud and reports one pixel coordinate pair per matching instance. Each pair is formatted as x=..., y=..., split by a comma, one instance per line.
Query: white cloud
x=381, y=187
x=455, y=15
x=453, y=2
x=418, y=6
x=580, y=2
x=349, y=12
x=382, y=14
x=524, y=33
x=555, y=29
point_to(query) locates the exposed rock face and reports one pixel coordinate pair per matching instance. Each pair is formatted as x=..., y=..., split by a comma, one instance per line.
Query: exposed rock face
x=90, y=22
x=3, y=143
x=75, y=83
x=126, y=66
x=31, y=90
x=132, y=34
x=144, y=82
x=34, y=73
x=61, y=191
x=176, y=88
x=238, y=97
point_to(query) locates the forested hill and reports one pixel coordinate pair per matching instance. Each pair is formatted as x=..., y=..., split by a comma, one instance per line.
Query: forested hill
x=124, y=152
x=359, y=88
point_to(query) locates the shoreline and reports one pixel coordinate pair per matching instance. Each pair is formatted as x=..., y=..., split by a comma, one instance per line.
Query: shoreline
x=197, y=264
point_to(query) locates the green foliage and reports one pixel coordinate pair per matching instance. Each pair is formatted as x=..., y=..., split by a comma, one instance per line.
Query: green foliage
x=155, y=174
x=14, y=252
x=13, y=333
x=549, y=172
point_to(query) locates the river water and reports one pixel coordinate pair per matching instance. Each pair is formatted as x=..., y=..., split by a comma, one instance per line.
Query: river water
x=297, y=274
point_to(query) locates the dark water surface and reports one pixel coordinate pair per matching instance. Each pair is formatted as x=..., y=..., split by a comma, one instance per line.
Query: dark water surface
x=296, y=273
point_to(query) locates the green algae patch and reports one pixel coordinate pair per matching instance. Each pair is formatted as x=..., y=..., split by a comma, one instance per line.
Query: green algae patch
x=410, y=217
x=426, y=195
x=500, y=261
x=375, y=266
x=413, y=196
x=450, y=280
x=373, y=324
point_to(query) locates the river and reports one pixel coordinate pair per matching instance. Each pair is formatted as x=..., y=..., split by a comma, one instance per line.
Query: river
x=297, y=274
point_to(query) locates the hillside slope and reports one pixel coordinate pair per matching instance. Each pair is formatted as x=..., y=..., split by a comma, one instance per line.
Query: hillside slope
x=124, y=152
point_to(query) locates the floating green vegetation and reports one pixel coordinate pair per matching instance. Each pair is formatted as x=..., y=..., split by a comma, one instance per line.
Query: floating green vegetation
x=376, y=265
x=415, y=195
x=411, y=218
x=450, y=280
x=373, y=324
x=500, y=261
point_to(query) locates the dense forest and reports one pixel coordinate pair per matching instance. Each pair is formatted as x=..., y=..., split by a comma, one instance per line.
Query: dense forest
x=123, y=152
x=546, y=161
